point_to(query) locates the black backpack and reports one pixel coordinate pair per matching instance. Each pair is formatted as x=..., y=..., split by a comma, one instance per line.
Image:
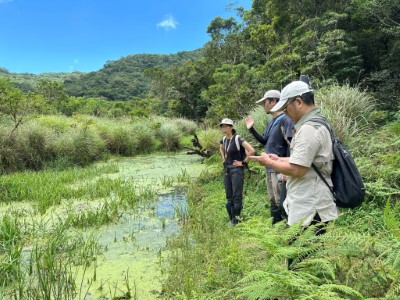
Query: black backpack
x=348, y=187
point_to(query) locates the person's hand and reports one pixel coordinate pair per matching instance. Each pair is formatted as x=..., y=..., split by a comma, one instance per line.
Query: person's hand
x=264, y=159
x=249, y=122
x=237, y=163
x=273, y=156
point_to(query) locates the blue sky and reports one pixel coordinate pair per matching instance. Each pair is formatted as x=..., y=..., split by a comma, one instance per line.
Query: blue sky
x=39, y=36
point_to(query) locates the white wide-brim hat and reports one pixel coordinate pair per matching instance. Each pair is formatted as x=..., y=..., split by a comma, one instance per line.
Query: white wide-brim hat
x=226, y=121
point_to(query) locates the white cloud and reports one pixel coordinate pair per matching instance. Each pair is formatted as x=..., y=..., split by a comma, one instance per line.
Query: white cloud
x=168, y=23
x=74, y=64
x=5, y=1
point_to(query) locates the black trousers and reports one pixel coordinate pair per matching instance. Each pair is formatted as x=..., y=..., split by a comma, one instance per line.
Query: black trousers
x=233, y=182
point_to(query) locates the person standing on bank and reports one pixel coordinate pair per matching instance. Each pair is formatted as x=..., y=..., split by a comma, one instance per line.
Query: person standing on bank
x=308, y=199
x=235, y=152
x=276, y=137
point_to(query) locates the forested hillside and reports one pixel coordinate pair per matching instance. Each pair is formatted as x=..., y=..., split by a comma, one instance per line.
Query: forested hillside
x=27, y=82
x=122, y=79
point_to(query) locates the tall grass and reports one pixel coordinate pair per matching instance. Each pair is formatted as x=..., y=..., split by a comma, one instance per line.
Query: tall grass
x=169, y=135
x=346, y=108
x=210, y=138
x=48, y=188
x=43, y=267
x=118, y=136
x=56, y=141
x=34, y=145
x=144, y=137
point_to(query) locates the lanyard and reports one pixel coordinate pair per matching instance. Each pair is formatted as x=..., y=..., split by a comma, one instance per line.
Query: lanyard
x=226, y=148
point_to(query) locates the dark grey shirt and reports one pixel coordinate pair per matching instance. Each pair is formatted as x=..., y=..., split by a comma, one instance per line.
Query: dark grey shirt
x=273, y=138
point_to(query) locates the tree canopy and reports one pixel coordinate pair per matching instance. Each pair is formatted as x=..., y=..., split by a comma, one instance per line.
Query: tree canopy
x=354, y=42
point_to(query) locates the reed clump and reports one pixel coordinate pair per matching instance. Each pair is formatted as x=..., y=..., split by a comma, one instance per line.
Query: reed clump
x=59, y=141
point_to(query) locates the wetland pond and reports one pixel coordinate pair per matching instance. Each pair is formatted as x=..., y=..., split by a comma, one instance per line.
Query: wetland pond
x=132, y=247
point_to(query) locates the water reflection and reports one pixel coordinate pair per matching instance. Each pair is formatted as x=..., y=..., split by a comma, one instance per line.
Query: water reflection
x=134, y=250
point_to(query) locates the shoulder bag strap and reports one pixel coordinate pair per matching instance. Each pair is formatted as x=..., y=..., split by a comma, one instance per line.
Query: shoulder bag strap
x=323, y=122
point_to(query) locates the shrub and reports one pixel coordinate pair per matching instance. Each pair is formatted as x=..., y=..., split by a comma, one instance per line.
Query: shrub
x=210, y=139
x=34, y=145
x=346, y=108
x=143, y=137
x=119, y=138
x=186, y=126
x=80, y=146
x=169, y=135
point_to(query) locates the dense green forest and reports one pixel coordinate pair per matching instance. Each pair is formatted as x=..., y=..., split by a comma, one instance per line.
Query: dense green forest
x=125, y=78
x=355, y=42
x=350, y=41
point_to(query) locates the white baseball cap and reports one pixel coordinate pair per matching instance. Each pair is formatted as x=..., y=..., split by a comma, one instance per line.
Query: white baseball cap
x=269, y=94
x=295, y=88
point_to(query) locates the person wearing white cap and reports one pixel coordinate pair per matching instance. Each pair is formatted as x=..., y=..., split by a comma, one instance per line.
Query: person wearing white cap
x=235, y=152
x=277, y=130
x=308, y=199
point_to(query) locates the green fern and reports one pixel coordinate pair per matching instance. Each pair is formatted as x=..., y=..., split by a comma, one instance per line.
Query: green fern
x=391, y=217
x=332, y=292
x=394, y=291
x=319, y=266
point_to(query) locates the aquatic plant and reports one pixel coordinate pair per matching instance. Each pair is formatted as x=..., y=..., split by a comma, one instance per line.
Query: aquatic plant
x=167, y=181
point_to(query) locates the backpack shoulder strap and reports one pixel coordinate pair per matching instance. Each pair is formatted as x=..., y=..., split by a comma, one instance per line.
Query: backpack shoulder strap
x=237, y=142
x=278, y=120
x=322, y=121
x=325, y=123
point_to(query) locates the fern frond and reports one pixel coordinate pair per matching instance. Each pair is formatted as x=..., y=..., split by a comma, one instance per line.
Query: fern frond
x=260, y=290
x=392, y=255
x=269, y=285
x=322, y=295
x=394, y=291
x=341, y=289
x=391, y=217
x=255, y=275
x=318, y=266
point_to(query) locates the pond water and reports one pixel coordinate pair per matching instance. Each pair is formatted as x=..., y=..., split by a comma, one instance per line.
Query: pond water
x=134, y=247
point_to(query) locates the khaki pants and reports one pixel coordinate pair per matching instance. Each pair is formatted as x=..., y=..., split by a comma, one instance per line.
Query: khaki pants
x=274, y=192
x=274, y=187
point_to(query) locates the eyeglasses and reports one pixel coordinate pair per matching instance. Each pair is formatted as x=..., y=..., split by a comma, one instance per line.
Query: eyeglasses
x=290, y=101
